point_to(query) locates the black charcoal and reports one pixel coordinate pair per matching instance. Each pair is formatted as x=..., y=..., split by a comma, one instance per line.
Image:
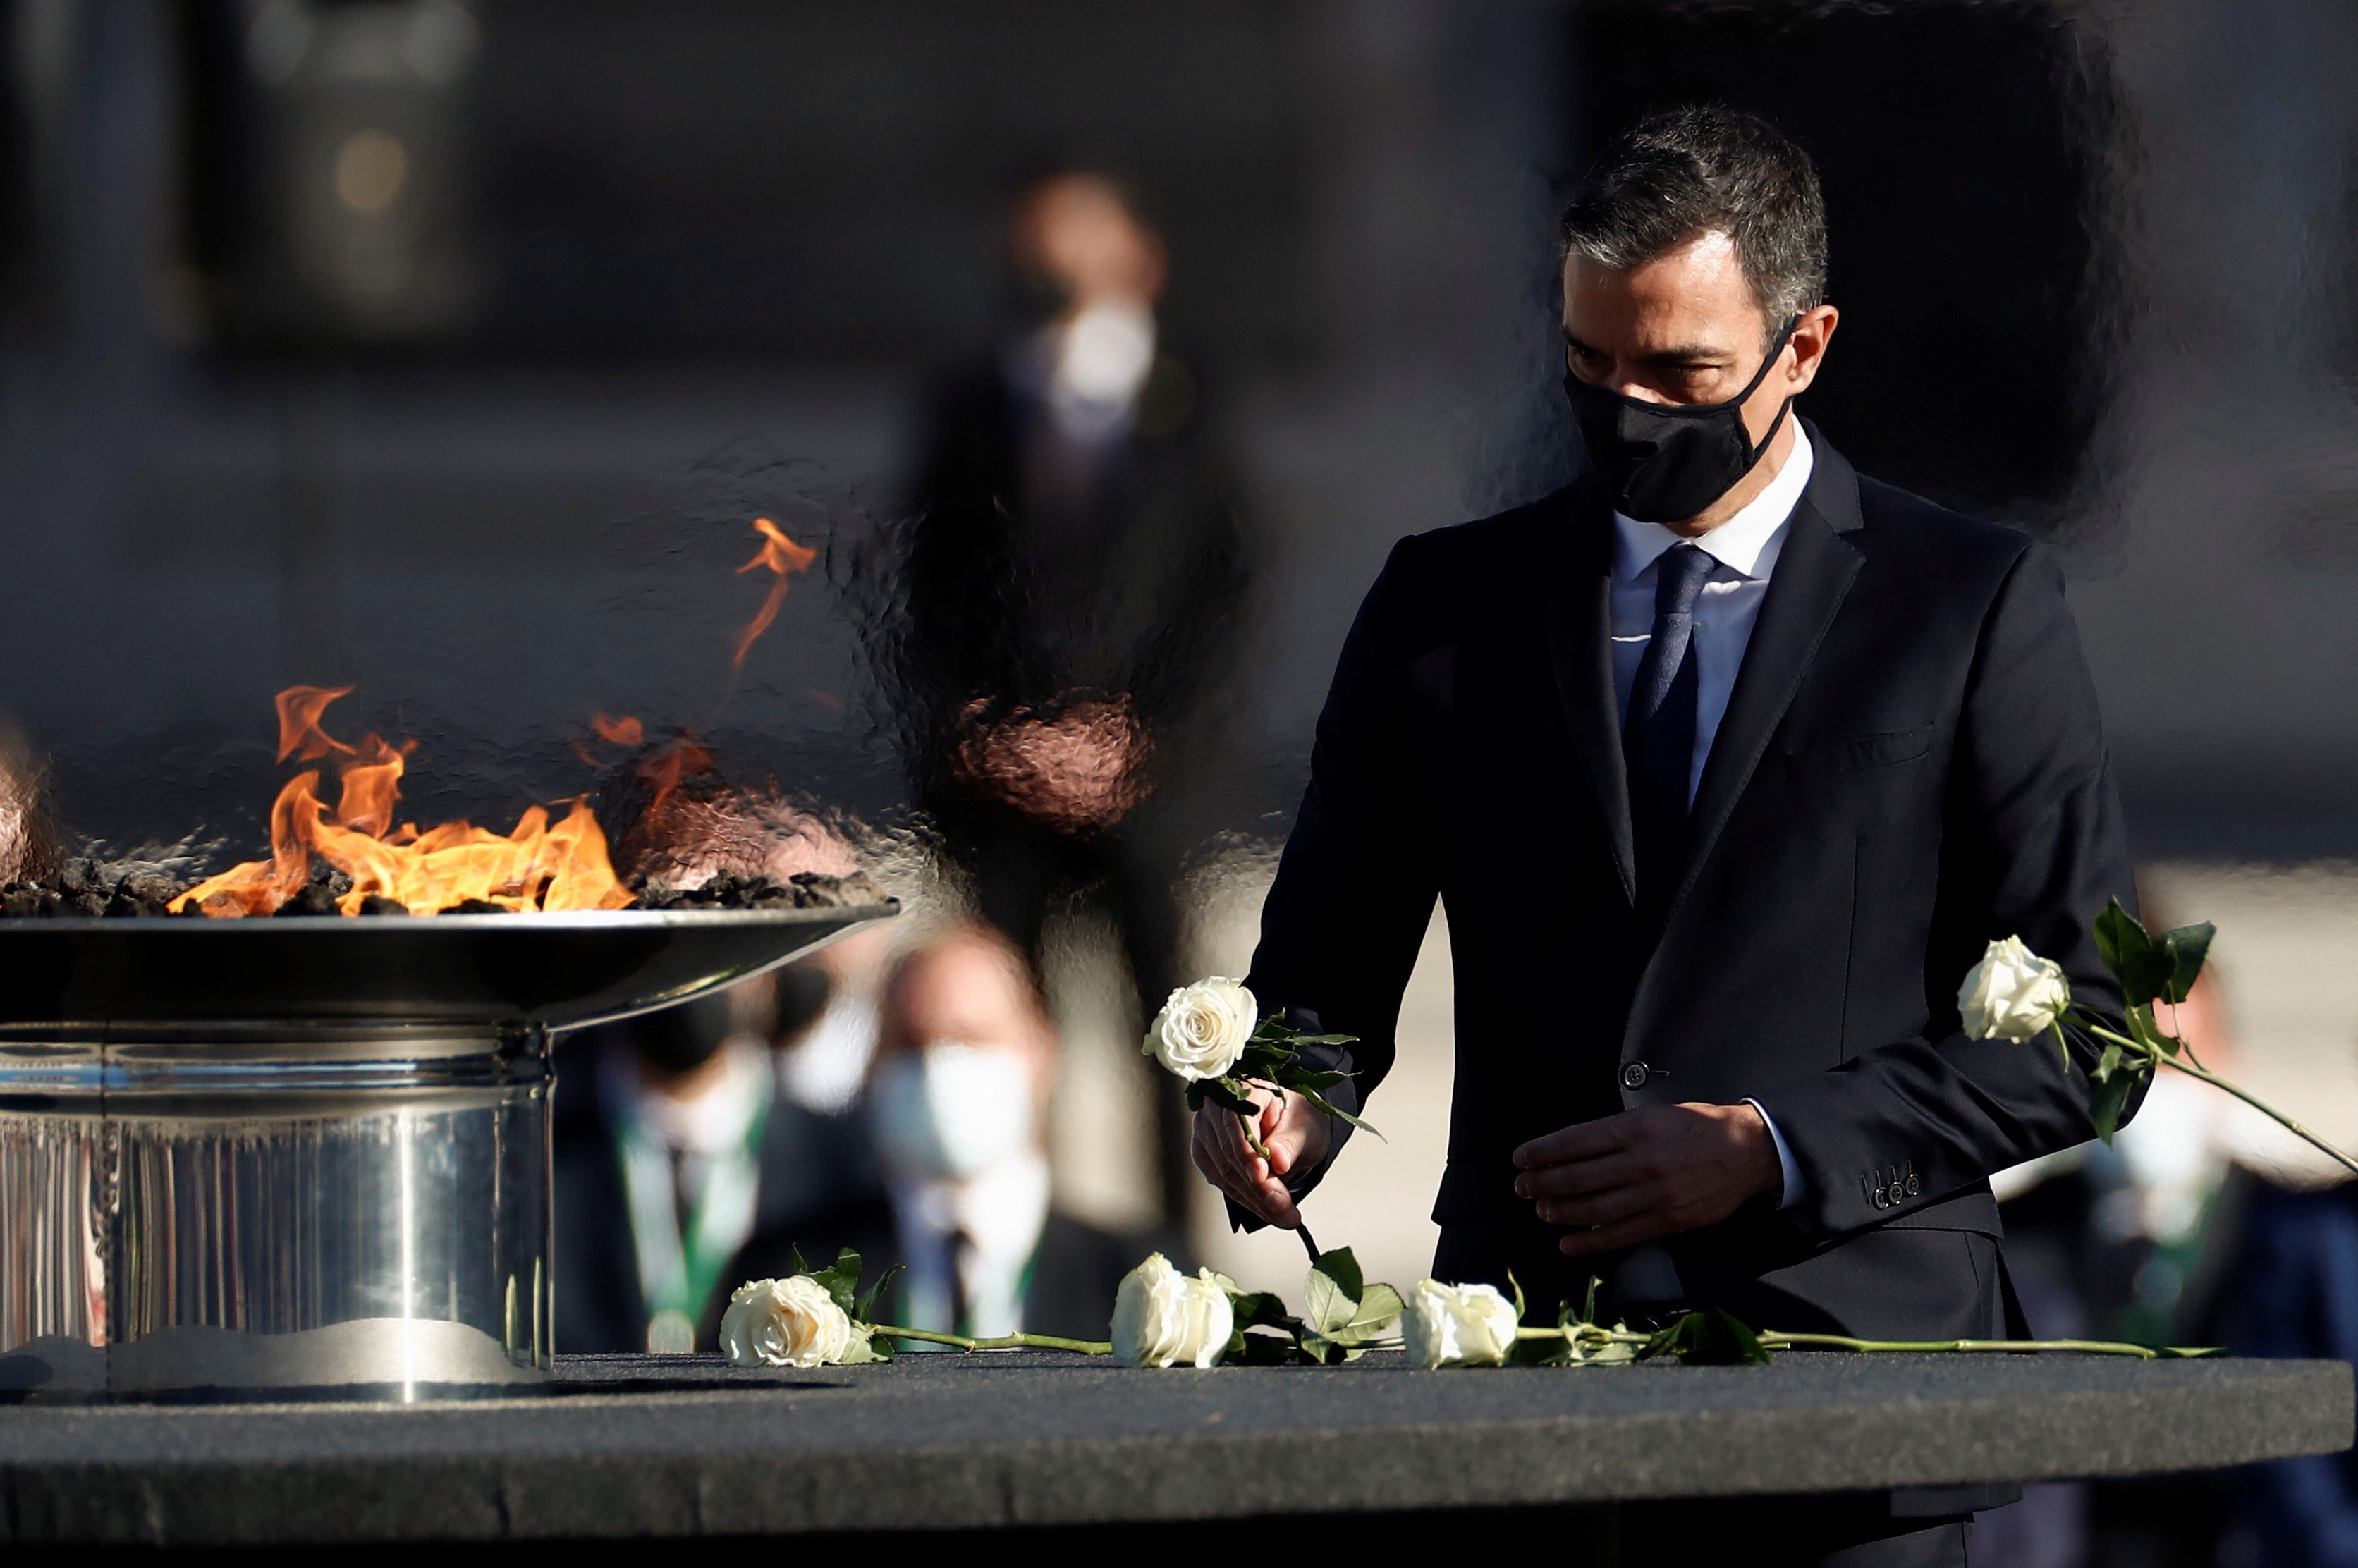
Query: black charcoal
x=314, y=899
x=378, y=904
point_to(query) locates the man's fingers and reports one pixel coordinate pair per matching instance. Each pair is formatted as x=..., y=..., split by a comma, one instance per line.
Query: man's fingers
x=1229, y=1164
x=1613, y=1238
x=1586, y=1141
x=1275, y=1204
x=1220, y=1152
x=1600, y=1174
x=1601, y=1208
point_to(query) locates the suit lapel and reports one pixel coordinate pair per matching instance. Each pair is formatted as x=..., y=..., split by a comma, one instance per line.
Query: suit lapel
x=1578, y=623
x=1813, y=577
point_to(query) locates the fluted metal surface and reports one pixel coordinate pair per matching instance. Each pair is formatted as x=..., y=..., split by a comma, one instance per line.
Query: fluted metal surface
x=232, y=1213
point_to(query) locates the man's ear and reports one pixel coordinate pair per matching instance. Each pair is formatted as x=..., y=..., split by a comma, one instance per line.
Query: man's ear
x=1810, y=341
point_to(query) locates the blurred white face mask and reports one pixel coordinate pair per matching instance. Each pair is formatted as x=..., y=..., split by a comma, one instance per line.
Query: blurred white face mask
x=950, y=1112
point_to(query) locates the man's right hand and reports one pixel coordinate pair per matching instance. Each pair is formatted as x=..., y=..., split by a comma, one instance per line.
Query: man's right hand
x=1296, y=1134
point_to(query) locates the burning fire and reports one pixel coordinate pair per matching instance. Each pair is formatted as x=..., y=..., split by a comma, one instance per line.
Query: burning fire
x=784, y=558
x=535, y=866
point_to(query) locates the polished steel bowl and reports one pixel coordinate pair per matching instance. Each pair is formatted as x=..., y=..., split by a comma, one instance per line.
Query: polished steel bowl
x=308, y=1158
x=555, y=971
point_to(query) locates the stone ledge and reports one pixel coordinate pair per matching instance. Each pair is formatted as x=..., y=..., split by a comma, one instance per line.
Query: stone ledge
x=662, y=1446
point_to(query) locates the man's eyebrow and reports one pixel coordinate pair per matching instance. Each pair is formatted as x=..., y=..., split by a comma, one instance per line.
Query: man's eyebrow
x=1683, y=353
x=1687, y=353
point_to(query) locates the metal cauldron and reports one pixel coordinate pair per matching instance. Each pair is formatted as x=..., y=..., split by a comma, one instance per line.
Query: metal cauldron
x=308, y=1157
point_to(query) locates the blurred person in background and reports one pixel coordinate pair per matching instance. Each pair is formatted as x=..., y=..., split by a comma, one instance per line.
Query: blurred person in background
x=827, y=1019
x=1072, y=590
x=681, y=1171
x=958, y=1105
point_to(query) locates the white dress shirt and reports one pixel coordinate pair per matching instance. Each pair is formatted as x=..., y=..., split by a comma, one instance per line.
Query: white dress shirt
x=1744, y=552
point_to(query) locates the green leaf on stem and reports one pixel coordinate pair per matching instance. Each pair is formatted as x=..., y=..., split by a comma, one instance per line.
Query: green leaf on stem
x=1516, y=1286
x=875, y=1293
x=1226, y=1093
x=1331, y=1298
x=840, y=1281
x=1711, y=1338
x=2144, y=966
x=1303, y=1079
x=2106, y=1065
x=1261, y=1350
x=866, y=1346
x=2112, y=1096
x=1343, y=1307
x=1331, y=1109
x=2187, y=947
x=1380, y=1311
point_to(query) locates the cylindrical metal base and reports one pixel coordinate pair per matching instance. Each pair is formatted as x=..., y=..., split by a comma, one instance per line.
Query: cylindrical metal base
x=268, y=1213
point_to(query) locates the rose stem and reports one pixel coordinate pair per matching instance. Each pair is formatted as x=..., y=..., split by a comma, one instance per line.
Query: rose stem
x=1773, y=1340
x=1309, y=1243
x=1252, y=1139
x=2216, y=1082
x=1009, y=1342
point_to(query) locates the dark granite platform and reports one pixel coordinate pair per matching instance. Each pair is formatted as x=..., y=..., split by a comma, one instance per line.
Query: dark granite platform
x=668, y=1446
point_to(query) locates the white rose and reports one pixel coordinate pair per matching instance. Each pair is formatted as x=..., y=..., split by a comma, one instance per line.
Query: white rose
x=1457, y=1325
x=1162, y=1319
x=2012, y=994
x=783, y=1322
x=1203, y=1029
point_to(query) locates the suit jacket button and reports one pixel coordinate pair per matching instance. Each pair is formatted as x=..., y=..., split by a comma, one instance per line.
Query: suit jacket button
x=1634, y=1075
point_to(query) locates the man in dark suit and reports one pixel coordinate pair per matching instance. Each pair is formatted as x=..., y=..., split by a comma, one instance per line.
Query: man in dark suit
x=1730, y=761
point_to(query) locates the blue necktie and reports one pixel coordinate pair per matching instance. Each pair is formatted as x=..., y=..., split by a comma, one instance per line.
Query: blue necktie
x=1658, y=737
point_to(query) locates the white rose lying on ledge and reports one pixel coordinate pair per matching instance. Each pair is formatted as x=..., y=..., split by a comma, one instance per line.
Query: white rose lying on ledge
x=1457, y=1325
x=784, y=1322
x=1162, y=1319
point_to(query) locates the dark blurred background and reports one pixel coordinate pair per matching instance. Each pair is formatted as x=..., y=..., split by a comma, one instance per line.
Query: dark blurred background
x=448, y=350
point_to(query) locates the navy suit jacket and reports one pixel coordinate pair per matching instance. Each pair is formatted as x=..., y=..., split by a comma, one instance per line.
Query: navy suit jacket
x=1911, y=763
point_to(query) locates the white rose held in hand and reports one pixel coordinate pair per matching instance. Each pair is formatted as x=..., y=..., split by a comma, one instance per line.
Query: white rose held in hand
x=1457, y=1325
x=2012, y=994
x=1203, y=1028
x=783, y=1322
x=1162, y=1319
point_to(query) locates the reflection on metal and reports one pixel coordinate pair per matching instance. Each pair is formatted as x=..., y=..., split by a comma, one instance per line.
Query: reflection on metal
x=558, y=971
x=228, y=1213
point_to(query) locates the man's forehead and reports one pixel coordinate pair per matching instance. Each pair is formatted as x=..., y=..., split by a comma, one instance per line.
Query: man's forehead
x=1694, y=293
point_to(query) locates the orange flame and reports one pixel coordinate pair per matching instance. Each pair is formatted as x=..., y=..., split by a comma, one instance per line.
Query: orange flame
x=300, y=708
x=535, y=866
x=676, y=761
x=784, y=558
x=624, y=731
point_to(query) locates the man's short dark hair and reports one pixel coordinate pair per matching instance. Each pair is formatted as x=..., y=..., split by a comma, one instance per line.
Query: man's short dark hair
x=1677, y=176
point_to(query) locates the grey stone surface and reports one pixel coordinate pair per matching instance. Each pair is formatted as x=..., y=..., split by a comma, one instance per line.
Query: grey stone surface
x=635, y=1446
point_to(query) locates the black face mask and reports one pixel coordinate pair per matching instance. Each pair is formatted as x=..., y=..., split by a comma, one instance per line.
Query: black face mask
x=1664, y=462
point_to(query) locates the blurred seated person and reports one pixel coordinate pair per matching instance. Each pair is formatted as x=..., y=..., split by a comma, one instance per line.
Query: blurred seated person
x=1072, y=590
x=957, y=1102
x=680, y=1171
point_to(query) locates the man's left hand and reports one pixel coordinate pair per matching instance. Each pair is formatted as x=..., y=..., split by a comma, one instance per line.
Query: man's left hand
x=1648, y=1173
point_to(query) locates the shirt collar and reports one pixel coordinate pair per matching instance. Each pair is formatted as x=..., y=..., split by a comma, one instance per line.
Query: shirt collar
x=1743, y=542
